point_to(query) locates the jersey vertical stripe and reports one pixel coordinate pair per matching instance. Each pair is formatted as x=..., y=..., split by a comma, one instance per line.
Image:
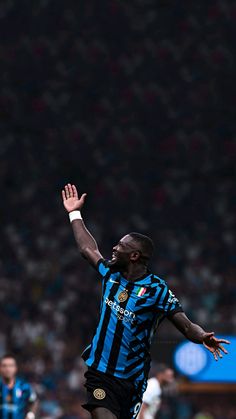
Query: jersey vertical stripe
x=10, y=398
x=5, y=410
x=14, y=396
x=118, y=337
x=103, y=329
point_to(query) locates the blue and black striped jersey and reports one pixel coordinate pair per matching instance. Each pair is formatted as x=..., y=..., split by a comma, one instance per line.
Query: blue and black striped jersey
x=130, y=313
x=15, y=401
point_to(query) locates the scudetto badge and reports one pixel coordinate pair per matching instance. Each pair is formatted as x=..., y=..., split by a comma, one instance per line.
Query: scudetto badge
x=99, y=394
x=123, y=296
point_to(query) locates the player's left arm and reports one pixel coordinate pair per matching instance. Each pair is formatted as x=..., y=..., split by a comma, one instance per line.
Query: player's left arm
x=33, y=404
x=32, y=410
x=196, y=334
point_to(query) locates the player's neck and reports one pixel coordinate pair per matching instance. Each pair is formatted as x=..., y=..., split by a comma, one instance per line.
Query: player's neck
x=134, y=272
x=9, y=382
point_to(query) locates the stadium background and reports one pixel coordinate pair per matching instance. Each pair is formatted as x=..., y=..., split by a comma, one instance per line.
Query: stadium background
x=133, y=101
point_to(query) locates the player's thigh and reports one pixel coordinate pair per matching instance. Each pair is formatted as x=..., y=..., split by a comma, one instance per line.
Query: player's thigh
x=102, y=413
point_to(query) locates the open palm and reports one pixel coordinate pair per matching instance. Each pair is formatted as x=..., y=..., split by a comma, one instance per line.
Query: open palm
x=214, y=345
x=71, y=200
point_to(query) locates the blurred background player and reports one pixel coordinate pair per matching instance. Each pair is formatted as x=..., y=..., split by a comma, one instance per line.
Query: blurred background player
x=162, y=376
x=17, y=398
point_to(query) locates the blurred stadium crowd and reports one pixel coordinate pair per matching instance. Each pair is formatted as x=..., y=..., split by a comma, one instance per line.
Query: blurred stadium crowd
x=134, y=102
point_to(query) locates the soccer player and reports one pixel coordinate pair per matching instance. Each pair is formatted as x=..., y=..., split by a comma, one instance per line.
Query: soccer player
x=134, y=302
x=164, y=375
x=17, y=398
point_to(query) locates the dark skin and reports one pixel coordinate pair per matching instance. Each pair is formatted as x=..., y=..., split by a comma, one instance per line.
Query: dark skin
x=102, y=413
x=129, y=259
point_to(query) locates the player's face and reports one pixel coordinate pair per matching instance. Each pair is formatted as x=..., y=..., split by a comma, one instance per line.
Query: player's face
x=168, y=376
x=123, y=253
x=8, y=368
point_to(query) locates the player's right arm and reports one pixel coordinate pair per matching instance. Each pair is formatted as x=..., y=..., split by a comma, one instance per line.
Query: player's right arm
x=33, y=402
x=86, y=243
x=196, y=334
x=193, y=332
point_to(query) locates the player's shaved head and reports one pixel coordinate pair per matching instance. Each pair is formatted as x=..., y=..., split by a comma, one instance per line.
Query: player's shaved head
x=133, y=248
x=144, y=244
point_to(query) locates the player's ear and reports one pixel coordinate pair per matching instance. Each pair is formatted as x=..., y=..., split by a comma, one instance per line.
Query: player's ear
x=134, y=256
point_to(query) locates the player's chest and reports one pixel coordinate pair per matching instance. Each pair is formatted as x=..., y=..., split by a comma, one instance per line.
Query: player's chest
x=12, y=398
x=130, y=297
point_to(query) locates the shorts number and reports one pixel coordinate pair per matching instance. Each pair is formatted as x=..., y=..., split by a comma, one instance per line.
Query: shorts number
x=136, y=409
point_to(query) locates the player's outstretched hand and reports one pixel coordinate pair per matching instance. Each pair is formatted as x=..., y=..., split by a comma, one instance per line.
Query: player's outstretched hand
x=214, y=345
x=71, y=199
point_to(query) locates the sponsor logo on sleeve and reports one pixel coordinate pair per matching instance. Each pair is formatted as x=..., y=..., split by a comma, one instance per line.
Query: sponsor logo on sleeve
x=172, y=298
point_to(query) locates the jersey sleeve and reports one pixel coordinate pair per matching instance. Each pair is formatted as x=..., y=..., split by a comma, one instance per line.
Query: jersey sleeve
x=103, y=269
x=167, y=302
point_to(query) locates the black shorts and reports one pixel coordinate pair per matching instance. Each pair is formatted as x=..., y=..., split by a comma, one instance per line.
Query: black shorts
x=119, y=396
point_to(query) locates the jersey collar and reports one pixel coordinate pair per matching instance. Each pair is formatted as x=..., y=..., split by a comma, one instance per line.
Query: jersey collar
x=138, y=280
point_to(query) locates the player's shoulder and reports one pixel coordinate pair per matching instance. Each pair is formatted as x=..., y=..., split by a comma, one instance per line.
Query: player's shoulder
x=102, y=267
x=152, y=382
x=25, y=388
x=154, y=385
x=157, y=282
x=23, y=383
x=105, y=271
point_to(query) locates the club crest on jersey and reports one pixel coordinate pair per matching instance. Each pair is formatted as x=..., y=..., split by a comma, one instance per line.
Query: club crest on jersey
x=18, y=392
x=99, y=394
x=141, y=291
x=123, y=296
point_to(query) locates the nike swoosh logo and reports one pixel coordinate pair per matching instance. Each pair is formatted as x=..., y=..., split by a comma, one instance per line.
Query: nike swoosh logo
x=115, y=282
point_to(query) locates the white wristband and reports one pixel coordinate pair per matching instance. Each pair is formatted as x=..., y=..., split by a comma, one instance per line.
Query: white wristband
x=75, y=215
x=30, y=415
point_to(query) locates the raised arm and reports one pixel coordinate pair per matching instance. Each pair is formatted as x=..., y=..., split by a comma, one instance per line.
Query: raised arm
x=196, y=334
x=86, y=243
